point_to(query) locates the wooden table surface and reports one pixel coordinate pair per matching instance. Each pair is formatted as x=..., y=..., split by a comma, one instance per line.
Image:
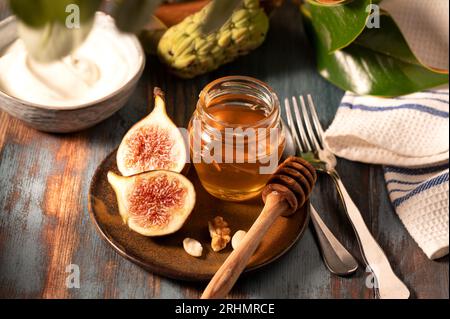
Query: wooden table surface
x=44, y=180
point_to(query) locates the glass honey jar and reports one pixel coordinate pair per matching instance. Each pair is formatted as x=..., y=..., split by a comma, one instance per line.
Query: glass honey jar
x=236, y=137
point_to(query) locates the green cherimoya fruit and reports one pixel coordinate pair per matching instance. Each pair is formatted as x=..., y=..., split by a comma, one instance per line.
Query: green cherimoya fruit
x=189, y=53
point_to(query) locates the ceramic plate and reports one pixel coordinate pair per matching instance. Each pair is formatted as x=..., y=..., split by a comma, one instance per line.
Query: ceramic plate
x=165, y=255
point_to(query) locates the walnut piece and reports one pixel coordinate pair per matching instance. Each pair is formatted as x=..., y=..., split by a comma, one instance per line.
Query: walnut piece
x=193, y=247
x=220, y=233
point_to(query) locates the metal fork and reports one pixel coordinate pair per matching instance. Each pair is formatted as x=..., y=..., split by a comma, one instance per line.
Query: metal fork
x=336, y=258
x=312, y=146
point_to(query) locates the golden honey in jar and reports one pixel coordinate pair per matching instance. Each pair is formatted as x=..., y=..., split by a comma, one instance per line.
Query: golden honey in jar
x=236, y=137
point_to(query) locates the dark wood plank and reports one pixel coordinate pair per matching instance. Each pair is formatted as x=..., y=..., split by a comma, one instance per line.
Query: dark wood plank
x=44, y=224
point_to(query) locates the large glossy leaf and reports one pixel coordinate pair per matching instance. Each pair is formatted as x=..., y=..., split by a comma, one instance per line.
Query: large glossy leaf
x=338, y=23
x=391, y=43
x=379, y=62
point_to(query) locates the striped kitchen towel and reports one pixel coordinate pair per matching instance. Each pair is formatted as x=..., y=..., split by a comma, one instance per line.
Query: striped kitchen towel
x=409, y=136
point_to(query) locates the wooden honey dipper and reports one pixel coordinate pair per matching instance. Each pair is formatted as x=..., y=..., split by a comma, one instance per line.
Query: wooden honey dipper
x=286, y=191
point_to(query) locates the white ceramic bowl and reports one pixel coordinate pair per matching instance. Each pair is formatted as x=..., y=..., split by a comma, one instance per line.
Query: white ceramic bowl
x=71, y=118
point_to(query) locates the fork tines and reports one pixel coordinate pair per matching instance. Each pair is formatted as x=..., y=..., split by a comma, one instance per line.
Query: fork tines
x=306, y=129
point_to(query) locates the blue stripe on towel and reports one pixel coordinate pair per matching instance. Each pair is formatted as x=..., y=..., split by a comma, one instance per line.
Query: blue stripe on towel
x=399, y=191
x=420, y=98
x=417, y=107
x=397, y=181
x=415, y=171
x=421, y=188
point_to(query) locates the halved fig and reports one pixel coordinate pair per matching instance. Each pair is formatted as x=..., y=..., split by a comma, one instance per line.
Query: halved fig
x=154, y=143
x=156, y=203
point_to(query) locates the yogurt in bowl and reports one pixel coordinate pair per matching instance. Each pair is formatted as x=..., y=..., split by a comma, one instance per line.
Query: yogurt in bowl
x=73, y=93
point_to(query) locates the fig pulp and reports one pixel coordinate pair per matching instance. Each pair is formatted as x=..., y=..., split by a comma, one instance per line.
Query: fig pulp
x=154, y=143
x=155, y=203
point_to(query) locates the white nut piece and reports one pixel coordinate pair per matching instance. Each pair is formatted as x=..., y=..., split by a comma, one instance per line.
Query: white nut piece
x=193, y=247
x=237, y=238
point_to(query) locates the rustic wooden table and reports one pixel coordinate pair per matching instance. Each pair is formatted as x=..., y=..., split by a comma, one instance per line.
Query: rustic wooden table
x=44, y=180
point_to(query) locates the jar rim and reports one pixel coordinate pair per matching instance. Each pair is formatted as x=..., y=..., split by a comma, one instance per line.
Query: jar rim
x=272, y=117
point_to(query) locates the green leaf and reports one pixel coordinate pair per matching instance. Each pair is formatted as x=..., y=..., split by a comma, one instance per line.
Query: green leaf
x=38, y=13
x=339, y=24
x=382, y=42
x=33, y=13
x=379, y=62
x=42, y=26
